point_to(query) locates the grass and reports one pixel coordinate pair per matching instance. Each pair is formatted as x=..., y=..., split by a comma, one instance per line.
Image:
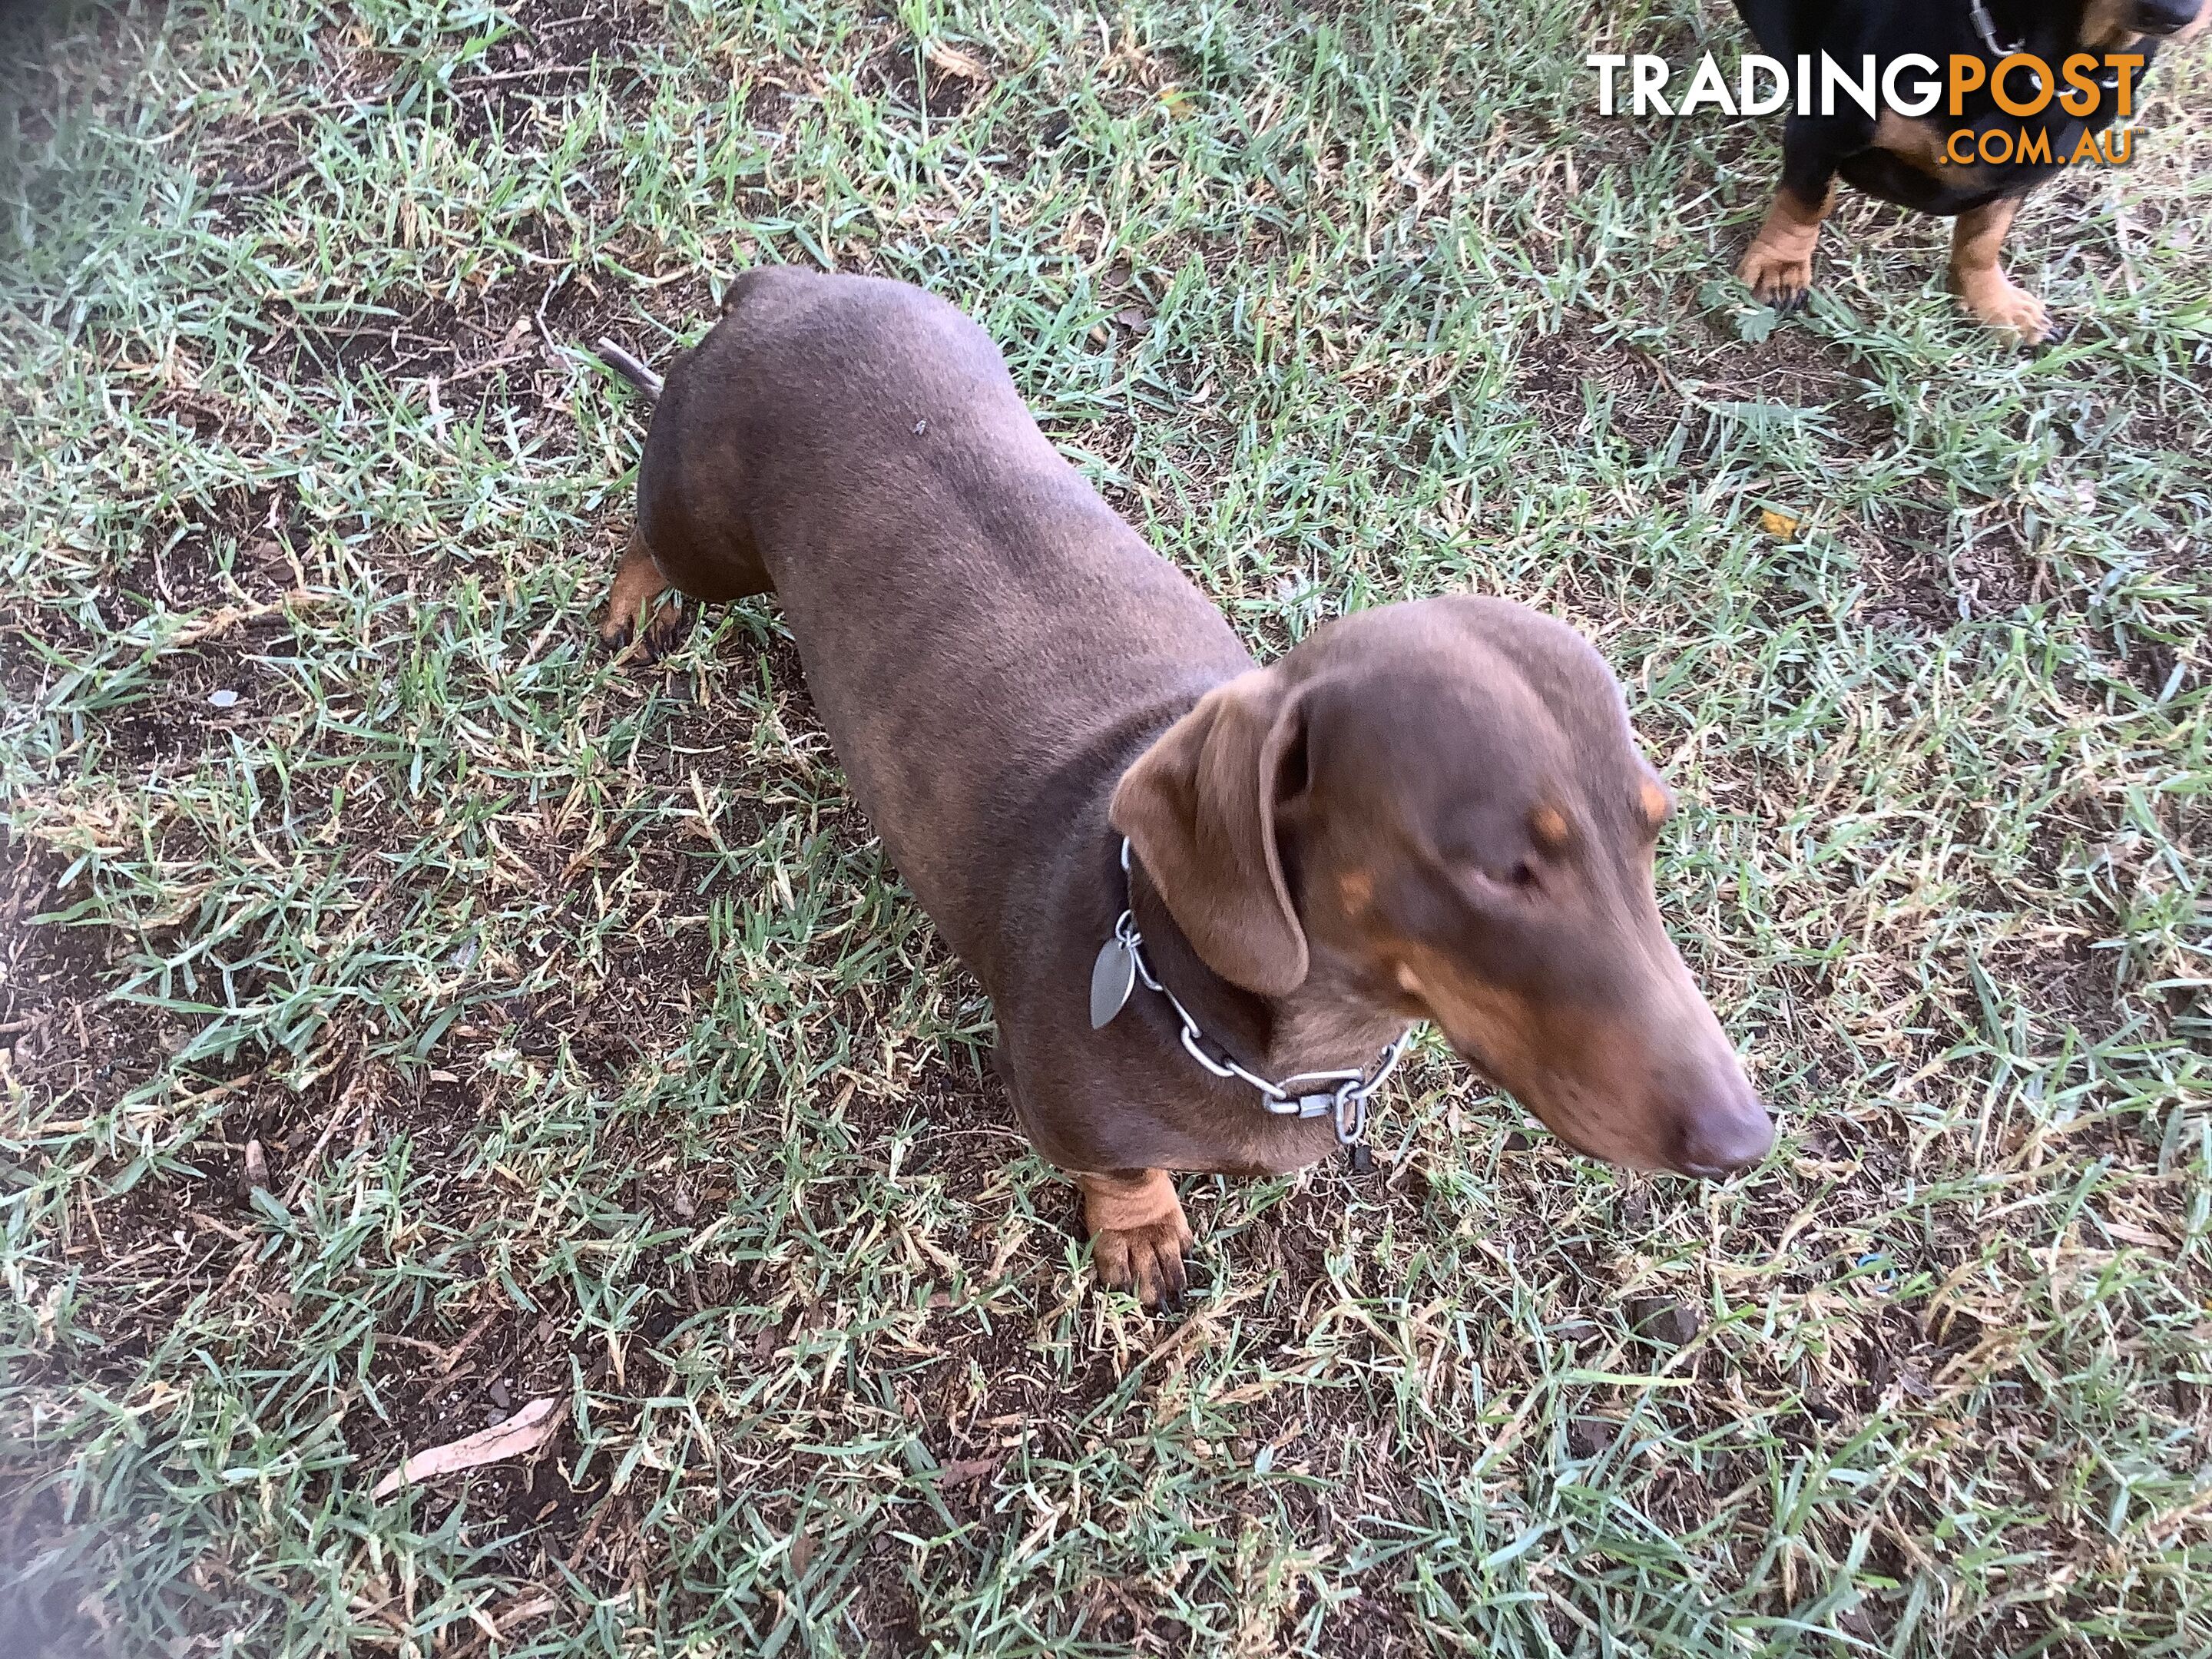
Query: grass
x=596, y=1053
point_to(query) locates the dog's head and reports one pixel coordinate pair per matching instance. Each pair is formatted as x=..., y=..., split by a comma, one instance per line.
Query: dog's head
x=1439, y=807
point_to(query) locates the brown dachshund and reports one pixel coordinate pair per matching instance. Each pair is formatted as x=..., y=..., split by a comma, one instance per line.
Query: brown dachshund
x=1432, y=811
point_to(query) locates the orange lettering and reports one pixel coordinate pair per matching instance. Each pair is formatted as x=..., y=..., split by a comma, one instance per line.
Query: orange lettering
x=2080, y=70
x=1966, y=74
x=2127, y=63
x=2020, y=60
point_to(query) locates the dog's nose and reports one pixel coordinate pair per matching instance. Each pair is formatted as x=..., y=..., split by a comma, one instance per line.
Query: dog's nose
x=1727, y=1132
x=2165, y=17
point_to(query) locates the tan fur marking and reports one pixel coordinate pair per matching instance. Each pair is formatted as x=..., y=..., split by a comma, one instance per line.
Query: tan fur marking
x=1979, y=279
x=2104, y=24
x=1538, y=1052
x=1777, y=266
x=1918, y=144
x=1357, y=888
x=1549, y=826
x=2108, y=26
x=1656, y=802
x=638, y=583
x=1138, y=1233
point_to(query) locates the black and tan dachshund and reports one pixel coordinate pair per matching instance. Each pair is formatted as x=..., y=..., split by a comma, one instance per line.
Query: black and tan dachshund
x=1937, y=163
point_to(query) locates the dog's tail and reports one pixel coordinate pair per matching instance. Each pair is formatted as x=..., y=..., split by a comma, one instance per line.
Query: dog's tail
x=646, y=382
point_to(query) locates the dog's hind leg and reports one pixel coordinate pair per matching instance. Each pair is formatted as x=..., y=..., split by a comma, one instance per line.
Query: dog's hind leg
x=1978, y=275
x=638, y=606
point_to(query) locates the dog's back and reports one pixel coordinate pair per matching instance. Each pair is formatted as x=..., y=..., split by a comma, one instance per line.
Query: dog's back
x=973, y=620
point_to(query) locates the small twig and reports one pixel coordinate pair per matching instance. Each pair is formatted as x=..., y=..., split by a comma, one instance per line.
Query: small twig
x=474, y=369
x=346, y=1096
x=221, y=624
x=504, y=75
x=283, y=175
x=473, y=1335
x=592, y=1532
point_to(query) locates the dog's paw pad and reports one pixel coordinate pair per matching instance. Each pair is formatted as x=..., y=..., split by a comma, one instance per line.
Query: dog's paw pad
x=1147, y=1261
x=1785, y=284
x=662, y=632
x=2020, y=313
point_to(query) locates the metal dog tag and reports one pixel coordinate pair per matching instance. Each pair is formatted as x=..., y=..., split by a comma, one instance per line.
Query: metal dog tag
x=1112, y=976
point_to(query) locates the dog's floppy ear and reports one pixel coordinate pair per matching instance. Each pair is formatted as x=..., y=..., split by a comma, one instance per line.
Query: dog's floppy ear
x=1198, y=807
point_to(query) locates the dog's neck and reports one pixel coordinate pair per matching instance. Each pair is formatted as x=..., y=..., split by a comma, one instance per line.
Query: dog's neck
x=1326, y=1024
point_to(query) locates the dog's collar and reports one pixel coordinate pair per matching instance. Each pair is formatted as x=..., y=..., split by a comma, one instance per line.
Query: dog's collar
x=1122, y=964
x=1985, y=27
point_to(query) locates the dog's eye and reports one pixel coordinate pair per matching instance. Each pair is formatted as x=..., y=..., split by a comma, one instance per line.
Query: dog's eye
x=1524, y=874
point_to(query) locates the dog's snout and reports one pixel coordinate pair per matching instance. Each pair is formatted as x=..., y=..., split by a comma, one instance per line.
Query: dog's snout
x=2165, y=17
x=1724, y=1130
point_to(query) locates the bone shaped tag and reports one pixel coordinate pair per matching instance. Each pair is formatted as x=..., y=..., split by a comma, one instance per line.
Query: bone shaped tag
x=1112, y=976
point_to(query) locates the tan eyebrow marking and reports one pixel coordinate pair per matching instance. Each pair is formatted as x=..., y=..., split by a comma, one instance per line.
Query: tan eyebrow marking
x=1656, y=802
x=1549, y=826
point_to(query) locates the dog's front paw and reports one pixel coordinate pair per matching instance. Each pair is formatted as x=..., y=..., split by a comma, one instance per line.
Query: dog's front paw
x=1147, y=1261
x=1137, y=1234
x=2000, y=303
x=1779, y=277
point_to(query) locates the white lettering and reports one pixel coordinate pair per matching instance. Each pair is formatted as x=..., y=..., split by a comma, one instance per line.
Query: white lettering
x=1748, y=102
x=1605, y=62
x=1925, y=93
x=1861, y=91
x=1706, y=86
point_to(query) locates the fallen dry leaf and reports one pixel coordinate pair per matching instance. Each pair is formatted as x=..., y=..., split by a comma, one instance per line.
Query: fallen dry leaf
x=1780, y=525
x=520, y=1611
x=953, y=61
x=2127, y=1233
x=962, y=1471
x=526, y=1431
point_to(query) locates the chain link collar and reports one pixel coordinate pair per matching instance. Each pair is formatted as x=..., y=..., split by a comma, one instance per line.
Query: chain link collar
x=1986, y=27
x=1343, y=1099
